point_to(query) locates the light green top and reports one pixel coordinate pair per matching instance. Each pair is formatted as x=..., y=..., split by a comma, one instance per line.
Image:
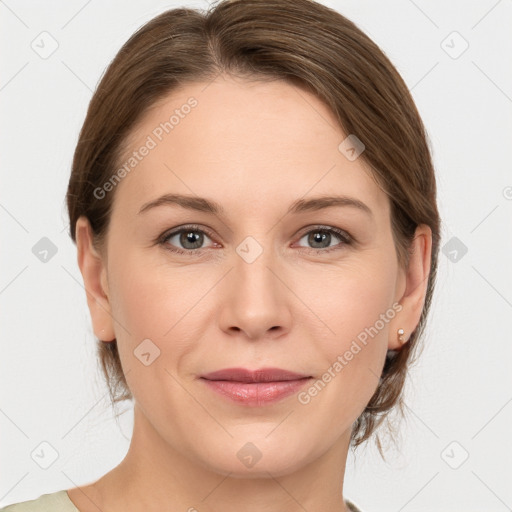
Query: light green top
x=54, y=502
x=59, y=502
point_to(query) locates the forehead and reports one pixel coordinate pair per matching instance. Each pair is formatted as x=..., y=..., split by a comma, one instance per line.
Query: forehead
x=245, y=143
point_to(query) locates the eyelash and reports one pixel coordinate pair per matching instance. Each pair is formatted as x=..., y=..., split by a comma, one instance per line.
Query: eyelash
x=163, y=240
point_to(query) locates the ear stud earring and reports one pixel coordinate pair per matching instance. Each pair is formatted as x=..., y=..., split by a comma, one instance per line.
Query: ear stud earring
x=400, y=333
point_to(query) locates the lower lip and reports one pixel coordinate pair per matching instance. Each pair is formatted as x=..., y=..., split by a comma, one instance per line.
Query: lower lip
x=256, y=394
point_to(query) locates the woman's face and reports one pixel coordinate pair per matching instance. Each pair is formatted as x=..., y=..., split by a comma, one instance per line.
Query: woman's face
x=261, y=283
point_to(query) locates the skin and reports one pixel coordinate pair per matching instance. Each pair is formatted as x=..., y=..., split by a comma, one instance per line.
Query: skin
x=254, y=147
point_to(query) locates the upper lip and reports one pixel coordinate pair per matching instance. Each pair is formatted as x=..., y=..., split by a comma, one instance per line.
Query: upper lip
x=259, y=375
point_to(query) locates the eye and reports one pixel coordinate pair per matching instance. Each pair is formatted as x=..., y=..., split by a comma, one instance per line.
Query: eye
x=191, y=238
x=321, y=237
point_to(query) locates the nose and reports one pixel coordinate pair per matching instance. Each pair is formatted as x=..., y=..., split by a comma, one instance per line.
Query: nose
x=255, y=299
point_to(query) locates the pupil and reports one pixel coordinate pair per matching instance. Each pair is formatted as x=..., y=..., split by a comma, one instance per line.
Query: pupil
x=191, y=237
x=318, y=237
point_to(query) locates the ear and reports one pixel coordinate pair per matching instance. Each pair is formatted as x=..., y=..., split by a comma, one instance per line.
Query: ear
x=94, y=273
x=413, y=286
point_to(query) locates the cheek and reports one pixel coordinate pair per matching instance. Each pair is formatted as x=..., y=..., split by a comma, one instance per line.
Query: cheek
x=355, y=305
x=350, y=297
x=149, y=300
x=157, y=316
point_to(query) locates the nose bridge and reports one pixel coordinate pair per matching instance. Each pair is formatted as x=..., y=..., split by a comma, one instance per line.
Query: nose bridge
x=256, y=300
x=254, y=260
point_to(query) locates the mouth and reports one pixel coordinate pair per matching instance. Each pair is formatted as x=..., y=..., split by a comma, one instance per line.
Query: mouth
x=255, y=388
x=252, y=376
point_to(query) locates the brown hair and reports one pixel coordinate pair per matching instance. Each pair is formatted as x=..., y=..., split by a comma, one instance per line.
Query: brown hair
x=304, y=43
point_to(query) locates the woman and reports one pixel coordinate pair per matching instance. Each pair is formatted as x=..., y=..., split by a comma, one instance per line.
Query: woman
x=254, y=207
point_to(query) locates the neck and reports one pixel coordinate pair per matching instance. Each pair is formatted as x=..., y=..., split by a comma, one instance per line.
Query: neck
x=155, y=476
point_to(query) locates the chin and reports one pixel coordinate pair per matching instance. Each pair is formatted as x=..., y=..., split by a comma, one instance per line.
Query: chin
x=257, y=457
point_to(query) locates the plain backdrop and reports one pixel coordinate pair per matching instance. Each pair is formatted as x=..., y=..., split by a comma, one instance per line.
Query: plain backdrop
x=455, y=446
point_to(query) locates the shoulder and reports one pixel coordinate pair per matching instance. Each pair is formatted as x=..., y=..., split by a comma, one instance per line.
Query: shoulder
x=53, y=502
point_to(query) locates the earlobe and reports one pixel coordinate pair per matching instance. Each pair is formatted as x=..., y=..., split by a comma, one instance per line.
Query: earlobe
x=94, y=273
x=416, y=283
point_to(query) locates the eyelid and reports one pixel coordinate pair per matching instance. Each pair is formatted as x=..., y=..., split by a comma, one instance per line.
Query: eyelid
x=187, y=227
x=344, y=236
x=332, y=229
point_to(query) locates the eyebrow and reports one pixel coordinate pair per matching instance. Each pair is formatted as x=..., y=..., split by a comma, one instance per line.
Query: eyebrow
x=301, y=205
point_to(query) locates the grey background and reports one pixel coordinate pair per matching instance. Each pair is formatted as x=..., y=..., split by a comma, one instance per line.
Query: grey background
x=459, y=394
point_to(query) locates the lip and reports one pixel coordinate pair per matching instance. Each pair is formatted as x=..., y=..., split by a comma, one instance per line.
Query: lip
x=255, y=388
x=259, y=375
